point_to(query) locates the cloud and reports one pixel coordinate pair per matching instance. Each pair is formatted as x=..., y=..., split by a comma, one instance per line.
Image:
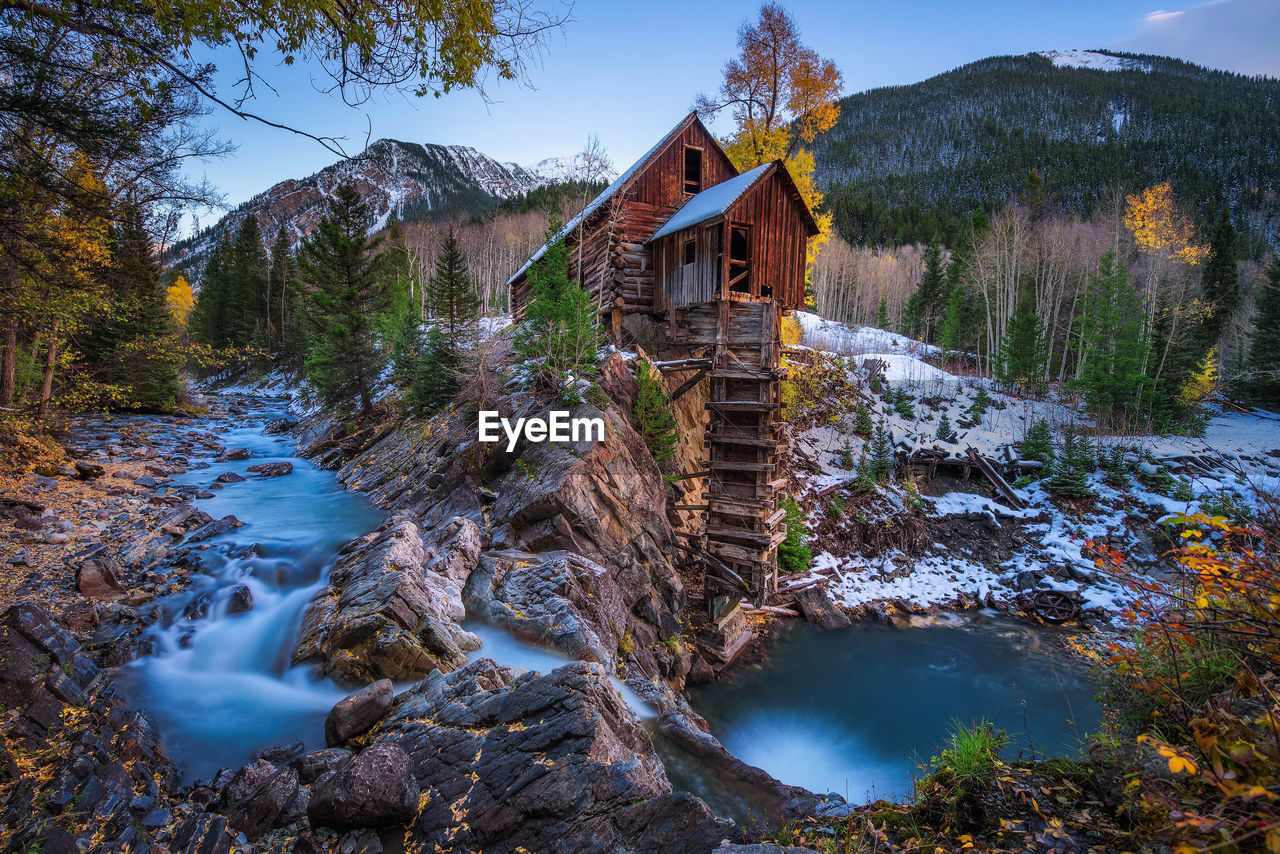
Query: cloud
x=1235, y=35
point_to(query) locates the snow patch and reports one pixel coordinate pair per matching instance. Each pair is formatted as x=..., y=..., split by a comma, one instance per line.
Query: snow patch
x=1094, y=60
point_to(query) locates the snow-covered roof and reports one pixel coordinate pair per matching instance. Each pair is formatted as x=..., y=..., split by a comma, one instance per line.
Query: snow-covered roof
x=711, y=202
x=596, y=203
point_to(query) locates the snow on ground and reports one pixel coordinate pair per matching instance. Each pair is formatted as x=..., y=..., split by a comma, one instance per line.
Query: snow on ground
x=833, y=337
x=272, y=384
x=1238, y=455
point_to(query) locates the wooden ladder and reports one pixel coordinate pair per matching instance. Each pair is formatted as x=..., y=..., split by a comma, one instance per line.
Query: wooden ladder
x=743, y=442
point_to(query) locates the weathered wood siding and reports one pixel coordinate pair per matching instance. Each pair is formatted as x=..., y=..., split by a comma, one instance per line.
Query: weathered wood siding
x=778, y=238
x=662, y=183
x=687, y=284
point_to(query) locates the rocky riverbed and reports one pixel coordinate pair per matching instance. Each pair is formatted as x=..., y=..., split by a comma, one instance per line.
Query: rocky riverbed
x=110, y=562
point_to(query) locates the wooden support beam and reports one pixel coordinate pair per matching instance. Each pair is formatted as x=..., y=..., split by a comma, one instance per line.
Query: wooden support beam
x=740, y=406
x=692, y=475
x=683, y=365
x=688, y=384
x=696, y=508
x=732, y=465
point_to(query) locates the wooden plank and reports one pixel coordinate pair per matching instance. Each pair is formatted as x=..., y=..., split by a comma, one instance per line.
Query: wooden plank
x=734, y=465
x=692, y=475
x=688, y=384
x=747, y=441
x=693, y=507
x=683, y=365
x=740, y=406
x=737, y=552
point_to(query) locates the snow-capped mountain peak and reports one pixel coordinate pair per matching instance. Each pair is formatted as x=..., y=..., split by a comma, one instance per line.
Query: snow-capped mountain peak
x=1093, y=59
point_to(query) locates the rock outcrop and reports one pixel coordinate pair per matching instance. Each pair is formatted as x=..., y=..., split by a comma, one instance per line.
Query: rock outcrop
x=383, y=615
x=555, y=763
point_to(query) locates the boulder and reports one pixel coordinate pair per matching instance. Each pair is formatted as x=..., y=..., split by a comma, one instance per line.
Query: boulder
x=241, y=600
x=555, y=763
x=312, y=766
x=817, y=607
x=279, y=425
x=229, y=477
x=382, y=616
x=99, y=578
x=272, y=469
x=235, y=454
x=262, y=809
x=89, y=471
x=356, y=714
x=371, y=789
x=212, y=529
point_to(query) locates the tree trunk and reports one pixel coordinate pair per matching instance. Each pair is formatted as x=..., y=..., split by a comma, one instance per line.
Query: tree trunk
x=46, y=383
x=9, y=362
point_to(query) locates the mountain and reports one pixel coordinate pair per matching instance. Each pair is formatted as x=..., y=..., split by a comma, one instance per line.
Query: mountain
x=905, y=162
x=415, y=181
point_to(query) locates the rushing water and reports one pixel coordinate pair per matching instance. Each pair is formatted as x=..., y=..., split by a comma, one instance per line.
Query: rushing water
x=222, y=687
x=857, y=710
x=852, y=711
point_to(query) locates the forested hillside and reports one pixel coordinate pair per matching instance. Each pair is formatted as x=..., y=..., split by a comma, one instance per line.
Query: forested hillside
x=904, y=163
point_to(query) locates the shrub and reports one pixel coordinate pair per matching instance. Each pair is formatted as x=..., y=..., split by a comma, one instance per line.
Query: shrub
x=945, y=431
x=793, y=554
x=862, y=425
x=1038, y=445
x=652, y=411
x=1072, y=467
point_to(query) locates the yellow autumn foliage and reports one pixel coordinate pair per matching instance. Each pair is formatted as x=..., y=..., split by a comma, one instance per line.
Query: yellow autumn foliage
x=1159, y=227
x=181, y=300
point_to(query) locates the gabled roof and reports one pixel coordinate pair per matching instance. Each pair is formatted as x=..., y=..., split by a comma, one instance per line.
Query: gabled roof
x=711, y=202
x=609, y=192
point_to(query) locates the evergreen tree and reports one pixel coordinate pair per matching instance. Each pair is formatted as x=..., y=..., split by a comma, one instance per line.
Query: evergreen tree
x=945, y=431
x=1069, y=476
x=880, y=463
x=652, y=411
x=980, y=403
x=1038, y=445
x=1262, y=387
x=882, y=313
x=1022, y=354
x=862, y=425
x=451, y=293
x=247, y=271
x=284, y=318
x=349, y=295
x=793, y=554
x=923, y=314
x=1114, y=346
x=408, y=342
x=1117, y=470
x=434, y=383
x=560, y=336
x=1220, y=282
x=136, y=350
x=210, y=319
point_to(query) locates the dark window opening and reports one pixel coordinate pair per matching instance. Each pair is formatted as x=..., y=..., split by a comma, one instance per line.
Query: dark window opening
x=690, y=251
x=739, y=260
x=692, y=170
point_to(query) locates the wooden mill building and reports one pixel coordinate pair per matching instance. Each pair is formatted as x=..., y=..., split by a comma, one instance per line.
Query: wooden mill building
x=715, y=258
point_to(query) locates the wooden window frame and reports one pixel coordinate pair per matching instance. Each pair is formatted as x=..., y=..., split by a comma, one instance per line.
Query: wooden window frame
x=684, y=170
x=689, y=252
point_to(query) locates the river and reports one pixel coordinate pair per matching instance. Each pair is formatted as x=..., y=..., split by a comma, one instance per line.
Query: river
x=852, y=711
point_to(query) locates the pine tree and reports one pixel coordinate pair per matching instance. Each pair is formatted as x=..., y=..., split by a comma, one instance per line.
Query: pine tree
x=247, y=271
x=945, y=431
x=560, y=336
x=882, y=313
x=1117, y=470
x=349, y=295
x=282, y=327
x=1038, y=445
x=1022, y=355
x=1114, y=346
x=1262, y=387
x=980, y=403
x=923, y=313
x=880, y=464
x=1071, y=469
x=793, y=554
x=451, y=294
x=1220, y=282
x=210, y=319
x=136, y=351
x=408, y=341
x=434, y=383
x=862, y=425
x=652, y=411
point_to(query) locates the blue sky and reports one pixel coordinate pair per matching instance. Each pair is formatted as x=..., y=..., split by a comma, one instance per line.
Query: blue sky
x=629, y=71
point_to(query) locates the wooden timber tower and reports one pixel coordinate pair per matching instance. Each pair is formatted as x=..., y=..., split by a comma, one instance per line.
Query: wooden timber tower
x=719, y=256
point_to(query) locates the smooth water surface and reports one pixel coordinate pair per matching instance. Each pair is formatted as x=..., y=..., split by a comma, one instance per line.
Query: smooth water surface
x=221, y=687
x=855, y=711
